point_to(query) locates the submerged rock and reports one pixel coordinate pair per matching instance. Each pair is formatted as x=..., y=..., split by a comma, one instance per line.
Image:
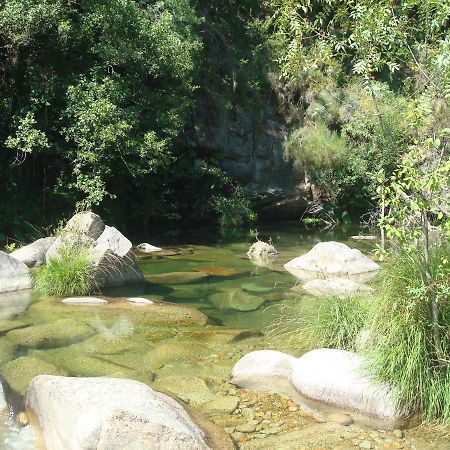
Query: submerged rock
x=14, y=274
x=325, y=379
x=176, y=277
x=332, y=258
x=340, y=287
x=109, y=414
x=52, y=334
x=33, y=255
x=148, y=248
x=236, y=299
x=19, y=372
x=218, y=271
x=192, y=390
x=172, y=351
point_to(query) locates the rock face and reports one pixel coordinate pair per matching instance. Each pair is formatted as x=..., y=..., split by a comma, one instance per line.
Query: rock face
x=109, y=414
x=340, y=287
x=333, y=258
x=14, y=274
x=33, y=255
x=326, y=379
x=111, y=252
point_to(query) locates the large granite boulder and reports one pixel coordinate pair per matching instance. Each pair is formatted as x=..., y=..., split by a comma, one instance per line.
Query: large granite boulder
x=14, y=274
x=33, y=255
x=332, y=258
x=327, y=380
x=109, y=414
x=260, y=249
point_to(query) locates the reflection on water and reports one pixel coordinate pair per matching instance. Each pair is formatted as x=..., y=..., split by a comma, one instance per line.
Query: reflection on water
x=123, y=339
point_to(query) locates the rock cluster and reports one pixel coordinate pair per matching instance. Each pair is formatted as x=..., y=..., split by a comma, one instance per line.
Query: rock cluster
x=326, y=379
x=110, y=251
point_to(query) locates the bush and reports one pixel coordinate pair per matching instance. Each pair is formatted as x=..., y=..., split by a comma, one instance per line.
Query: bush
x=71, y=274
x=401, y=349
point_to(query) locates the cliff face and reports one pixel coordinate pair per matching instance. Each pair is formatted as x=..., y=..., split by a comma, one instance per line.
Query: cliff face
x=249, y=144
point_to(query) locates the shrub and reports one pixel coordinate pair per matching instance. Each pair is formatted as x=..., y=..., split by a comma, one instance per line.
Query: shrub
x=70, y=274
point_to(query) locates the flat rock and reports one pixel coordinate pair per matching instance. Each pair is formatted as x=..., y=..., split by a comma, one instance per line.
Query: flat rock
x=33, y=255
x=84, y=301
x=14, y=274
x=19, y=372
x=140, y=300
x=221, y=404
x=236, y=299
x=340, y=287
x=192, y=390
x=109, y=414
x=333, y=258
x=52, y=334
x=176, y=277
x=363, y=238
x=148, y=248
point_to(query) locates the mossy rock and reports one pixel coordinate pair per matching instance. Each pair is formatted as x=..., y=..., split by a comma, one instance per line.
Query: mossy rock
x=8, y=325
x=219, y=271
x=19, y=372
x=82, y=365
x=220, y=335
x=161, y=313
x=109, y=345
x=7, y=350
x=172, y=351
x=52, y=334
x=236, y=299
x=256, y=288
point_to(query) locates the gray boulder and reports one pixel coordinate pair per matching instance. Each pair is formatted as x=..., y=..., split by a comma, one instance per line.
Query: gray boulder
x=82, y=229
x=14, y=274
x=109, y=414
x=33, y=255
x=332, y=258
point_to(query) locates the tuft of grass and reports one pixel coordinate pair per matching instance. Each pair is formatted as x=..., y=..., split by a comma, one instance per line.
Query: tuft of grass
x=329, y=322
x=401, y=350
x=70, y=274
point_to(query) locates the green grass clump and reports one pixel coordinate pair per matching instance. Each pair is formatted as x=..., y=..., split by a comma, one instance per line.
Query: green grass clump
x=401, y=349
x=329, y=322
x=70, y=274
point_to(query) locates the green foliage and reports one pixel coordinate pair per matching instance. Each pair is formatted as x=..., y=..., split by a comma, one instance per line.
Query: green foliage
x=70, y=274
x=401, y=349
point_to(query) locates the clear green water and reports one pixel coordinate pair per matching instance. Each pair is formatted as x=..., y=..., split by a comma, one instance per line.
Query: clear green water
x=119, y=340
